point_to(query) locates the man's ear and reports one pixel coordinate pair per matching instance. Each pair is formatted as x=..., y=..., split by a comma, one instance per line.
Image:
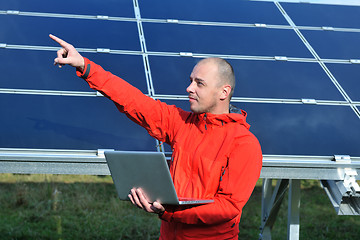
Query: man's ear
x=225, y=92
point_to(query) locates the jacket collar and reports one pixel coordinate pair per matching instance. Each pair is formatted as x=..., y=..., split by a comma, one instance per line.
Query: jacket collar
x=221, y=119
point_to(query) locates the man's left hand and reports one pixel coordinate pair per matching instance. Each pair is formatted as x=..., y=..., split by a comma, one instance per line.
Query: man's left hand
x=137, y=197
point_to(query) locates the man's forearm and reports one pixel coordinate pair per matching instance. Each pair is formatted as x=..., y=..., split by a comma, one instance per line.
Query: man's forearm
x=153, y=115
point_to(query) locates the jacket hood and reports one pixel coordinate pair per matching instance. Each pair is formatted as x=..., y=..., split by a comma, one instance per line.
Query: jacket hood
x=235, y=115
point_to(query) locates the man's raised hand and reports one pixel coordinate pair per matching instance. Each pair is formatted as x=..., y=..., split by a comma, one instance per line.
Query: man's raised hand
x=67, y=55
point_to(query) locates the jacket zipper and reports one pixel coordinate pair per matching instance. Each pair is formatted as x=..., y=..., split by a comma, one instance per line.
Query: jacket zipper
x=205, y=121
x=222, y=172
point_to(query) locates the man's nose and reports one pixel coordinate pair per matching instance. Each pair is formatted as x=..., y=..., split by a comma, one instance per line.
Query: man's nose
x=190, y=88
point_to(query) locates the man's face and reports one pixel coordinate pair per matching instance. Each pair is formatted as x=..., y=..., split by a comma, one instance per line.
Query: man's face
x=204, y=89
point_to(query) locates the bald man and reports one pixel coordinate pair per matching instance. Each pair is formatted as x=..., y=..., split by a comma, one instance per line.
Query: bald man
x=215, y=156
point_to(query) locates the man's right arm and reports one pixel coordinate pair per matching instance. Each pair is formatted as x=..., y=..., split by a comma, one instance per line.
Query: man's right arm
x=156, y=117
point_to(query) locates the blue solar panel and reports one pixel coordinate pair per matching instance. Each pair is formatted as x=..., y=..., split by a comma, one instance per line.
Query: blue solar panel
x=277, y=79
x=323, y=15
x=223, y=40
x=262, y=79
x=305, y=129
x=213, y=10
x=348, y=77
x=37, y=121
x=42, y=75
x=337, y=45
x=68, y=123
x=171, y=71
x=103, y=7
x=82, y=32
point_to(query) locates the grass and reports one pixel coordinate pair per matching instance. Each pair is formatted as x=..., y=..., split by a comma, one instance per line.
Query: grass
x=86, y=207
x=63, y=207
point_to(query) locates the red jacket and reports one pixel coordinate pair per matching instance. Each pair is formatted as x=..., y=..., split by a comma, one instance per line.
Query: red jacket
x=214, y=156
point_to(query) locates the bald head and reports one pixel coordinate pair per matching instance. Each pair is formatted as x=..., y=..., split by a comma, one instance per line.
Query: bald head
x=225, y=72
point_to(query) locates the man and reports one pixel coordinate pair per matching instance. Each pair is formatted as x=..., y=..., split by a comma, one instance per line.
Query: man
x=214, y=154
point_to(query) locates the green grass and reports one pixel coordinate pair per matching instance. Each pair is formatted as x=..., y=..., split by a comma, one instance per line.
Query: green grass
x=86, y=207
x=62, y=207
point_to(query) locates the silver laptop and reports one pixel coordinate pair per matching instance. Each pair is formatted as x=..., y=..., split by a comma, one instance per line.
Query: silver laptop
x=148, y=171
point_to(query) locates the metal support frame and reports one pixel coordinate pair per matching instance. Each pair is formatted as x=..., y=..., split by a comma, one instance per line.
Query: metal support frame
x=344, y=195
x=271, y=203
x=48, y=161
x=293, y=230
x=267, y=189
x=340, y=172
x=287, y=169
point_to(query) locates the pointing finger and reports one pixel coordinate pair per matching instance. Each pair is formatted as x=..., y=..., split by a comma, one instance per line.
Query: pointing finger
x=59, y=41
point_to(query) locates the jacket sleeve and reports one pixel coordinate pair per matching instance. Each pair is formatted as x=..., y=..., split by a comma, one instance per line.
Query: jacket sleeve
x=155, y=116
x=236, y=186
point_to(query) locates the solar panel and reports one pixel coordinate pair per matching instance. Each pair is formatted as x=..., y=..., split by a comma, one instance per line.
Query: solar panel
x=300, y=129
x=30, y=30
x=348, y=77
x=296, y=66
x=213, y=11
x=42, y=75
x=289, y=80
x=223, y=40
x=107, y=7
x=323, y=15
x=56, y=122
x=339, y=45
